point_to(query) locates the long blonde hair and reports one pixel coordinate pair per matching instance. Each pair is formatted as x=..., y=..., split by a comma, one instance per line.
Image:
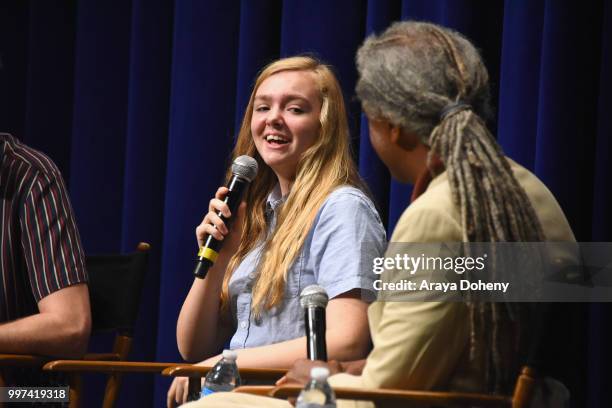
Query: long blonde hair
x=322, y=168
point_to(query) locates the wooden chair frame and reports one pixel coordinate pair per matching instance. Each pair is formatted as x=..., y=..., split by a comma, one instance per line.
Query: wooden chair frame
x=118, y=368
x=521, y=397
x=523, y=390
x=121, y=348
x=74, y=381
x=195, y=374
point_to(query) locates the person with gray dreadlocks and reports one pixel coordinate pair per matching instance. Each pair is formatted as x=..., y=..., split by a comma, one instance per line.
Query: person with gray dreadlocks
x=424, y=89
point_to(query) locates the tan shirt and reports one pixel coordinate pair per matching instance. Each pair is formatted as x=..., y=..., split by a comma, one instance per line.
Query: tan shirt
x=424, y=345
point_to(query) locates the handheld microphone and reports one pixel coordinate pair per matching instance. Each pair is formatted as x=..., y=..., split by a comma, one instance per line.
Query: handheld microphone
x=314, y=300
x=244, y=170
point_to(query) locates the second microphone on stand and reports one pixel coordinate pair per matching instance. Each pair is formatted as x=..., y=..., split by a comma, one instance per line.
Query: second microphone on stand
x=314, y=301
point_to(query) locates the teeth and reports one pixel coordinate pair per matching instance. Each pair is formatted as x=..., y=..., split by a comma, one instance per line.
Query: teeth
x=275, y=138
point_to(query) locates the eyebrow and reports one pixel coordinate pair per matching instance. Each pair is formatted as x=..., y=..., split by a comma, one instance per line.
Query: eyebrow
x=290, y=97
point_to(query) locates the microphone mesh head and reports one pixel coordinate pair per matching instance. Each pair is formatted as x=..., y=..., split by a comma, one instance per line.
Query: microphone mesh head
x=313, y=295
x=245, y=167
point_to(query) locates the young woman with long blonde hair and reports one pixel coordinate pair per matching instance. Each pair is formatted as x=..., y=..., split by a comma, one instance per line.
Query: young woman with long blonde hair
x=305, y=220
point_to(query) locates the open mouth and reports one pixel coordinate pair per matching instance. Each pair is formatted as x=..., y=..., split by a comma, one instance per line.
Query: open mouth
x=275, y=139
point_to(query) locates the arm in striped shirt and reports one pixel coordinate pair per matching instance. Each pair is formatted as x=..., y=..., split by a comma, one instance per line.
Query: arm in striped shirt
x=60, y=329
x=56, y=272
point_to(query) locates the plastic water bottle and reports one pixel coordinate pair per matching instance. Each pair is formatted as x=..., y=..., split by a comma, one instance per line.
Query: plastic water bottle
x=317, y=393
x=224, y=376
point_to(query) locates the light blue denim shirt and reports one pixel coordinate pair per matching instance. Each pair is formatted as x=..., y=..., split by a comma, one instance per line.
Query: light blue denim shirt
x=346, y=234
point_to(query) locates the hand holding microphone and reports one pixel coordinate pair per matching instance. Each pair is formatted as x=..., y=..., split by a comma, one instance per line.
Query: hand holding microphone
x=217, y=222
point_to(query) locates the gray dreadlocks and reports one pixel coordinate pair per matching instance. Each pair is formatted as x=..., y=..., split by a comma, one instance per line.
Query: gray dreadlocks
x=431, y=82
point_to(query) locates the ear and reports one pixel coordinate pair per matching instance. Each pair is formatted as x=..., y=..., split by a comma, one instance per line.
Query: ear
x=405, y=140
x=395, y=133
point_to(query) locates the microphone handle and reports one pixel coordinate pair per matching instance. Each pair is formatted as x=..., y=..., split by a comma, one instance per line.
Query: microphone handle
x=315, y=333
x=209, y=252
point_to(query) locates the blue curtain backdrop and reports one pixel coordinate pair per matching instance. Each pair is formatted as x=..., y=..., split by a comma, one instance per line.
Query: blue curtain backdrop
x=139, y=101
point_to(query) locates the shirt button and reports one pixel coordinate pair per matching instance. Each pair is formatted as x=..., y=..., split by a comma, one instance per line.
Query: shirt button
x=252, y=275
x=243, y=324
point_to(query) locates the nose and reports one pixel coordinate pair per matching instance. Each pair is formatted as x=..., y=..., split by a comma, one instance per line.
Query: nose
x=274, y=117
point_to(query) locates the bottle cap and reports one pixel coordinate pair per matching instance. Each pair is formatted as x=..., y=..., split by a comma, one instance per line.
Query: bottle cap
x=319, y=373
x=230, y=355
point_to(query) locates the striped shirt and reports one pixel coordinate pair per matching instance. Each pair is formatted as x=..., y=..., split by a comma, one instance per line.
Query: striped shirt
x=40, y=247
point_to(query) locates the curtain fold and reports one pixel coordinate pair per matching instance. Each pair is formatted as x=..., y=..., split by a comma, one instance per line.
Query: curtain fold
x=520, y=75
x=568, y=89
x=99, y=121
x=145, y=170
x=49, y=85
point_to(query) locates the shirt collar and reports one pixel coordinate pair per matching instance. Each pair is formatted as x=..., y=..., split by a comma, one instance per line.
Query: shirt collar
x=275, y=199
